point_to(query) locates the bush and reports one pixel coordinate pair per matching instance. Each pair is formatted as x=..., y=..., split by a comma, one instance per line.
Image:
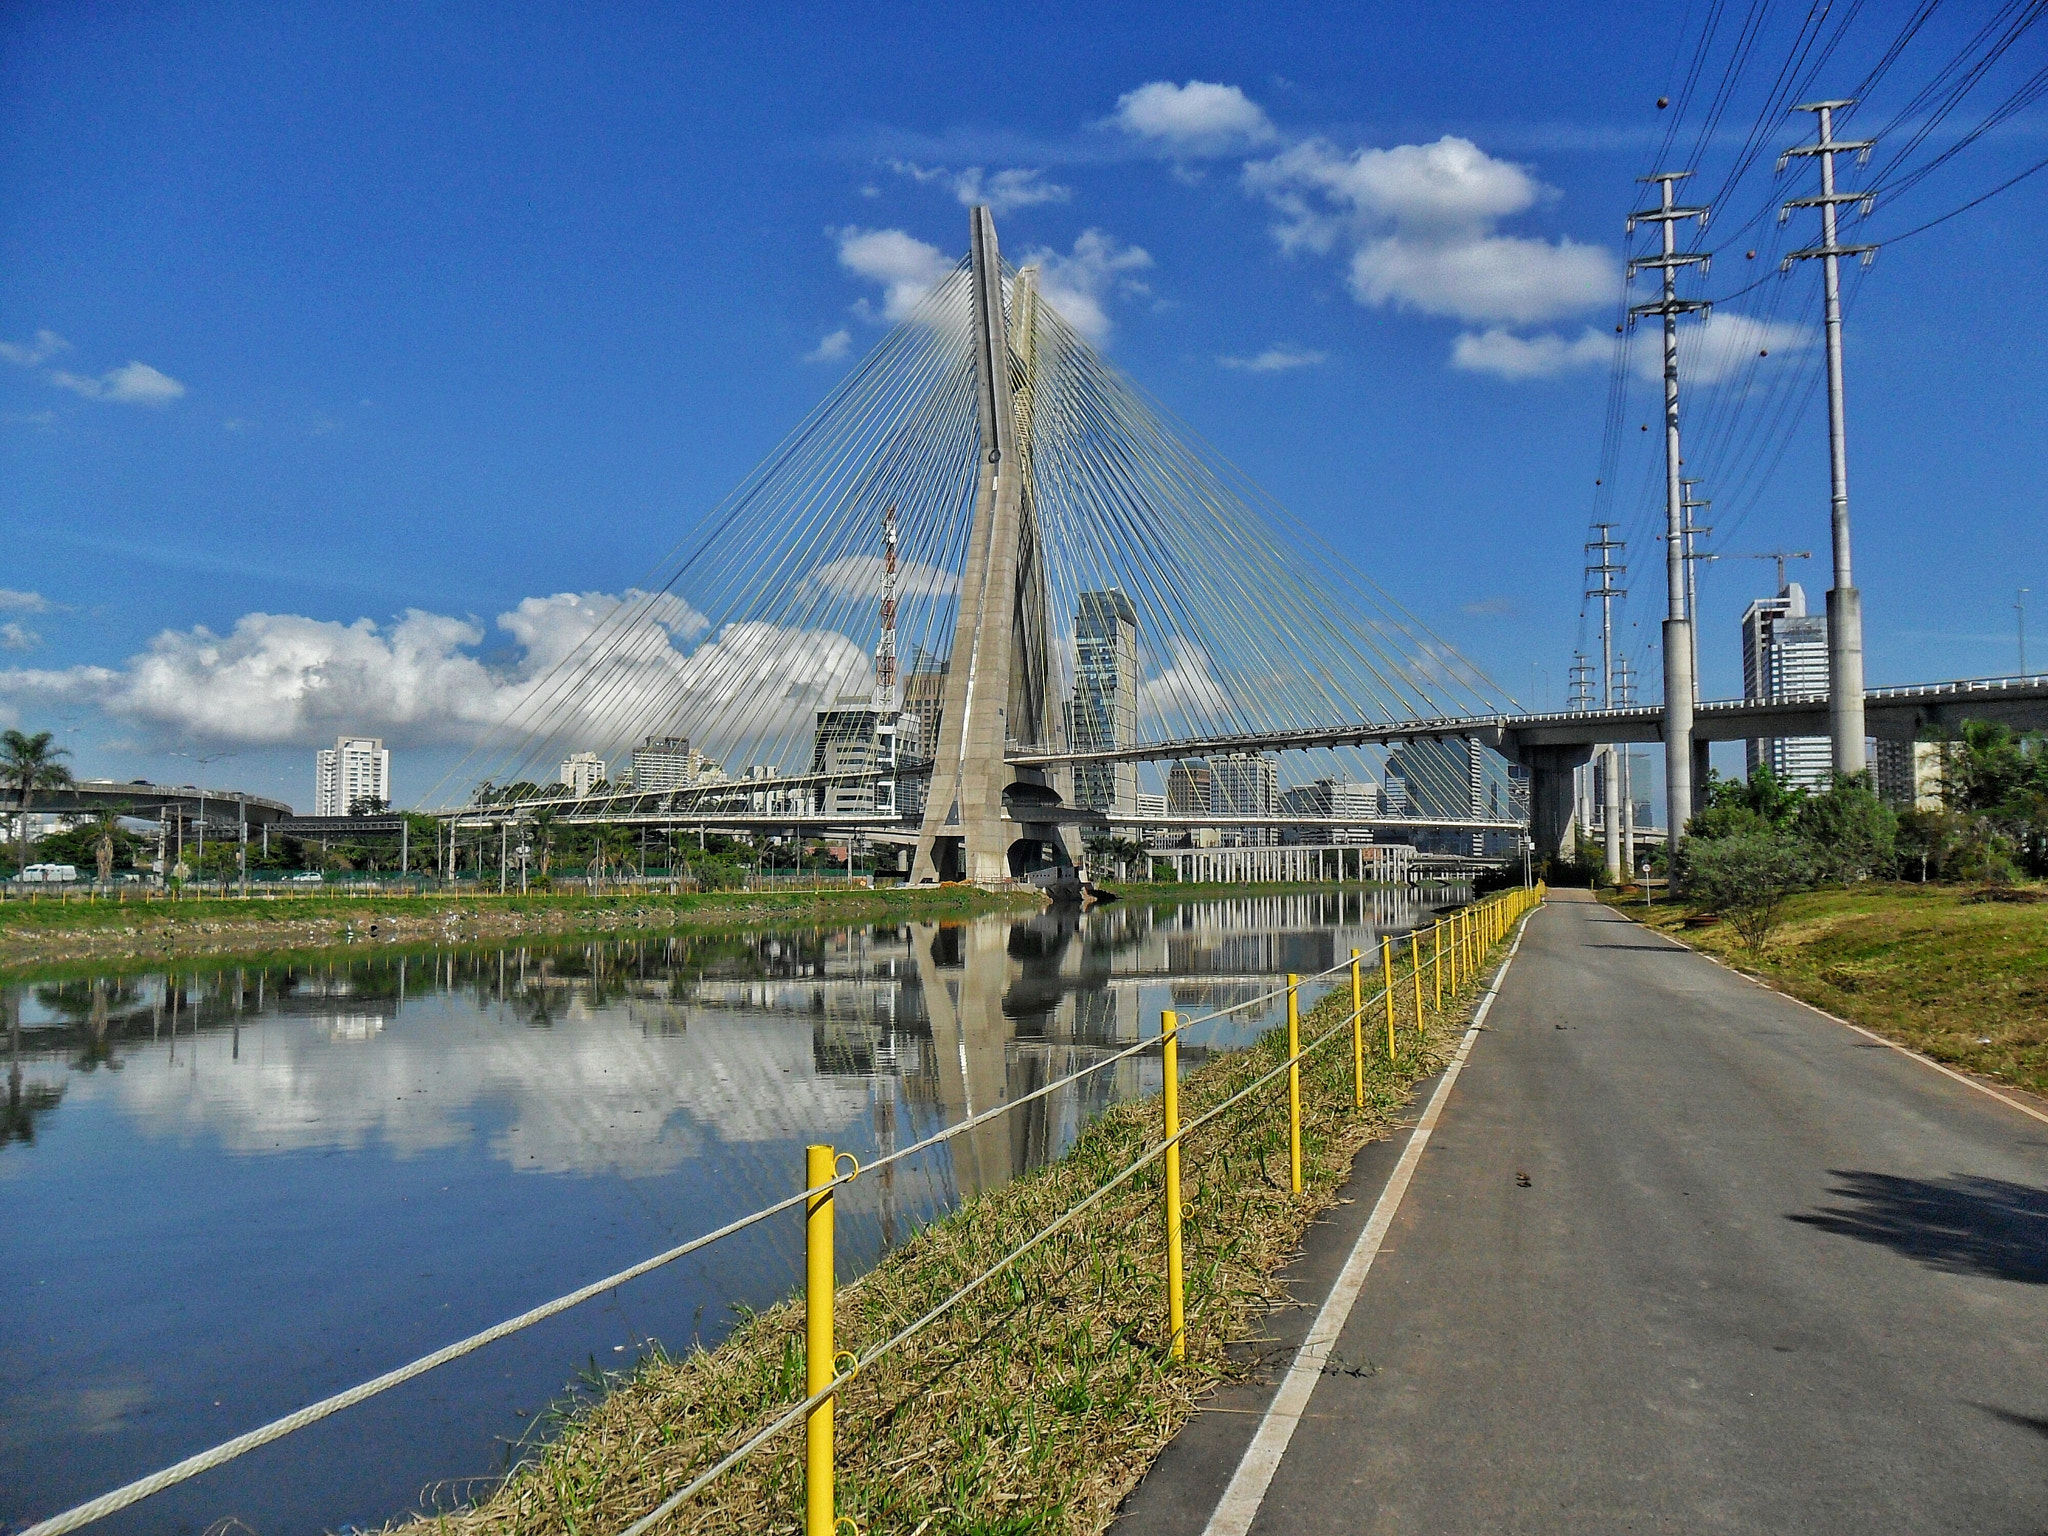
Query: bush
x=1849, y=833
x=1745, y=878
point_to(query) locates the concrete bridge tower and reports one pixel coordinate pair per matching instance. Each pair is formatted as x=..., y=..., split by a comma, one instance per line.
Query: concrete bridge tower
x=1000, y=681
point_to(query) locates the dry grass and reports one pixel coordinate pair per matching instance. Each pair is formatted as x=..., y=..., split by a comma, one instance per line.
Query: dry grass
x=1956, y=973
x=1036, y=1404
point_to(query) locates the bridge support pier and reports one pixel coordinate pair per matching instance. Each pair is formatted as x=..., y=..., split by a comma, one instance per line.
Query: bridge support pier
x=1550, y=794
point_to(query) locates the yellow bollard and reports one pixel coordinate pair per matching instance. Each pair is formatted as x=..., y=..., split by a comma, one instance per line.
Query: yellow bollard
x=1357, y=1035
x=1176, y=1323
x=1415, y=970
x=1293, y=1083
x=1387, y=988
x=818, y=1300
x=1437, y=938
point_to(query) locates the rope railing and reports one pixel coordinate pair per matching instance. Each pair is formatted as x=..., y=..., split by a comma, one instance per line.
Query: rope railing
x=1458, y=943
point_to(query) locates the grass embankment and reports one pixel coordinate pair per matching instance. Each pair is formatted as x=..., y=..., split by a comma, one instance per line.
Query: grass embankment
x=1960, y=975
x=1038, y=1402
x=41, y=932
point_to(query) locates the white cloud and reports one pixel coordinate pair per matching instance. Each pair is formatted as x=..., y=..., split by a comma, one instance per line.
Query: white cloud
x=283, y=679
x=23, y=602
x=1079, y=285
x=18, y=637
x=906, y=268
x=1279, y=359
x=1199, y=118
x=1508, y=356
x=1004, y=192
x=861, y=576
x=1184, y=695
x=1716, y=348
x=131, y=384
x=1420, y=224
x=47, y=344
x=830, y=349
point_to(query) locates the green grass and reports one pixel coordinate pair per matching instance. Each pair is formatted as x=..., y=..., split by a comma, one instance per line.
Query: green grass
x=41, y=934
x=1039, y=1401
x=1942, y=969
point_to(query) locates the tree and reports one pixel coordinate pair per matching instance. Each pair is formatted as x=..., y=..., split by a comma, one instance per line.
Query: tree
x=27, y=764
x=1745, y=878
x=1849, y=833
x=106, y=829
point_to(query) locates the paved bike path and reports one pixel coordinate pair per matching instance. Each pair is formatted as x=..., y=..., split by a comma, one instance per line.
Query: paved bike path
x=1683, y=1255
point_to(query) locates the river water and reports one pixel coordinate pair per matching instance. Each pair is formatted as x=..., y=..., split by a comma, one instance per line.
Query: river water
x=228, y=1191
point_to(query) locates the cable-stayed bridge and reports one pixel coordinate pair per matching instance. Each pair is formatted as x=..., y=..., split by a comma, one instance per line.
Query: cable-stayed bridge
x=988, y=596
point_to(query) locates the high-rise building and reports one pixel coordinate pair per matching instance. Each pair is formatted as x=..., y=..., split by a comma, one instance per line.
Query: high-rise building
x=1785, y=656
x=1912, y=775
x=855, y=739
x=1244, y=784
x=1187, y=788
x=662, y=764
x=1321, y=799
x=1103, y=712
x=924, y=697
x=583, y=772
x=355, y=769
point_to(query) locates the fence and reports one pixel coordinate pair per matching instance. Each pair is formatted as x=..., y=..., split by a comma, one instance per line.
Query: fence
x=1439, y=962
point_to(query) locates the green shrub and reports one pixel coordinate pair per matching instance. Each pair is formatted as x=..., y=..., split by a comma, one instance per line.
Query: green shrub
x=1745, y=878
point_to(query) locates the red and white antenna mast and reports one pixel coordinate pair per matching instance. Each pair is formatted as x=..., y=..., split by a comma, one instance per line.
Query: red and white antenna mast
x=885, y=651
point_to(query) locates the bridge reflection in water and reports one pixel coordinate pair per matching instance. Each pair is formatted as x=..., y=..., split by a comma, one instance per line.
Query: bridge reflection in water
x=302, y=1169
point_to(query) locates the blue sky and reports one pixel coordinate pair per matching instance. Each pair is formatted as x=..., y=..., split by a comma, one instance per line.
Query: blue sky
x=334, y=313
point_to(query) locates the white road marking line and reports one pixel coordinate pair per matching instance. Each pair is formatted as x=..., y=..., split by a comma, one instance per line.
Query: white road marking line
x=1254, y=1475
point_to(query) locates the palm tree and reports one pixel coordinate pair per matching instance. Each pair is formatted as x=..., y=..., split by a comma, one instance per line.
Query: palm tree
x=542, y=836
x=27, y=764
x=106, y=827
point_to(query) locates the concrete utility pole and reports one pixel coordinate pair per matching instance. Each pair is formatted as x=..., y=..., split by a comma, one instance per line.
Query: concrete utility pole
x=1607, y=592
x=1692, y=531
x=1680, y=692
x=1625, y=698
x=1845, y=603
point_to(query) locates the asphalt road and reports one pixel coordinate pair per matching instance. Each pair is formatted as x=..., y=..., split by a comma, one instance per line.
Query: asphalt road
x=1681, y=1255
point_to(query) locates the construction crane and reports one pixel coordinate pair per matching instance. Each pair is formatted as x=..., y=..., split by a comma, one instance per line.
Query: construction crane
x=1779, y=555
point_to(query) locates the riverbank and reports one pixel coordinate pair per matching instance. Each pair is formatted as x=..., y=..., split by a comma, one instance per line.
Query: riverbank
x=1959, y=974
x=44, y=933
x=1037, y=1402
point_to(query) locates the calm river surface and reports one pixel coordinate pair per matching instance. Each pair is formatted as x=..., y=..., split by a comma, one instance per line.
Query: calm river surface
x=228, y=1191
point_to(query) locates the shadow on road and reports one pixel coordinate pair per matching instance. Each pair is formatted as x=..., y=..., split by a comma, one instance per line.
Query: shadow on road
x=1962, y=1225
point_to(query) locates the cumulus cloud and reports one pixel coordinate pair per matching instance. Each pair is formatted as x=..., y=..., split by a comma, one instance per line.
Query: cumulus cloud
x=23, y=602
x=1716, y=348
x=1004, y=192
x=284, y=679
x=1080, y=284
x=1508, y=356
x=1197, y=119
x=861, y=576
x=18, y=637
x=131, y=384
x=1184, y=694
x=906, y=268
x=1279, y=359
x=1420, y=225
x=28, y=354
x=830, y=349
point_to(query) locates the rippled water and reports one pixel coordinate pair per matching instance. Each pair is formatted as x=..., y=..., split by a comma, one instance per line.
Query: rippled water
x=225, y=1192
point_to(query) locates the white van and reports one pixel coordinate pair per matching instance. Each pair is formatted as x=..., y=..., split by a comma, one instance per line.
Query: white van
x=49, y=874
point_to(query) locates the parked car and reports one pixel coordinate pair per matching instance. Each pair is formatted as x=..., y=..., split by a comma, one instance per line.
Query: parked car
x=49, y=874
x=306, y=877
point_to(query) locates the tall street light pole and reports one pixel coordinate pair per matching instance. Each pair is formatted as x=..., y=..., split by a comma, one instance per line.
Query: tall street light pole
x=1678, y=643
x=1845, y=602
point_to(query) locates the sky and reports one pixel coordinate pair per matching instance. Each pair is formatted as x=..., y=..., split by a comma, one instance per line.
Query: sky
x=353, y=356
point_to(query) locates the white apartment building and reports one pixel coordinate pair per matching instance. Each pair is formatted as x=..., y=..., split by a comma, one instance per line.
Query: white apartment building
x=1785, y=656
x=354, y=768
x=582, y=772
